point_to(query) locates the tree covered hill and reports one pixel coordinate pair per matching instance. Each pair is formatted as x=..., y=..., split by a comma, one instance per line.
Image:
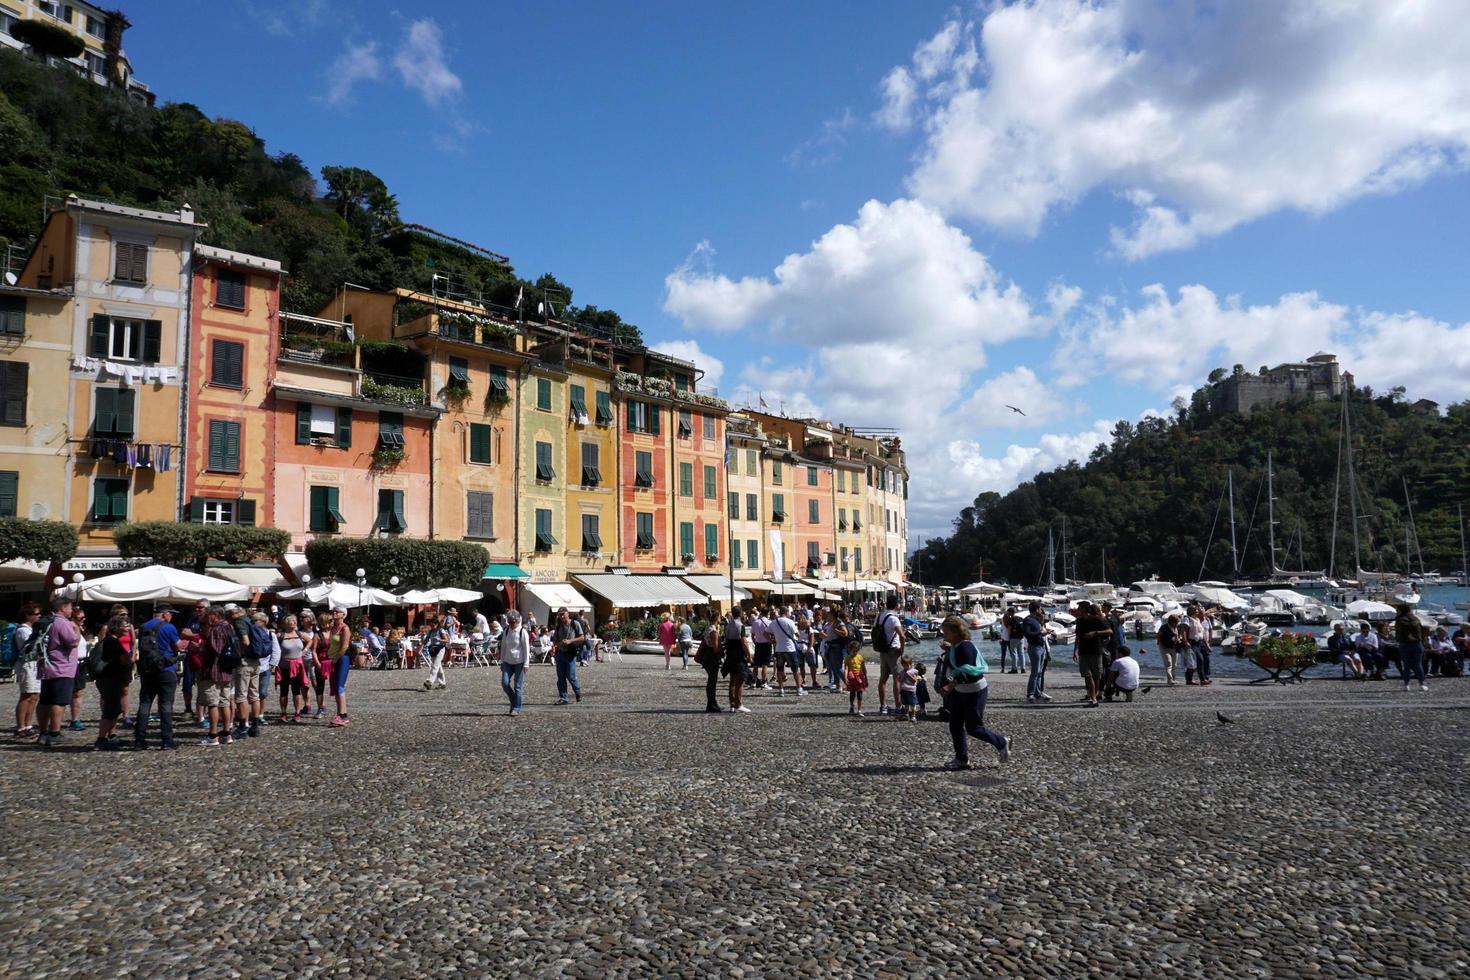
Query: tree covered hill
x=65, y=135
x=1149, y=499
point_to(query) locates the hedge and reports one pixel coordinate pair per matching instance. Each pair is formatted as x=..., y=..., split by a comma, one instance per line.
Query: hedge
x=45, y=541
x=192, y=545
x=418, y=563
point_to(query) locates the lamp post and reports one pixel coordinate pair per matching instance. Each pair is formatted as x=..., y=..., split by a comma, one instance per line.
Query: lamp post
x=361, y=581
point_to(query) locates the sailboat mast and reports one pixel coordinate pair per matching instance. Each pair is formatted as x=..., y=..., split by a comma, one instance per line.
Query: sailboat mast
x=1064, y=548
x=1051, y=559
x=1408, y=557
x=1464, y=568
x=1347, y=428
x=1270, y=513
x=1234, y=555
x=1336, y=495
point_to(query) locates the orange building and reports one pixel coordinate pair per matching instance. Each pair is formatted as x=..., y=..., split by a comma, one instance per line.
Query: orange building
x=232, y=350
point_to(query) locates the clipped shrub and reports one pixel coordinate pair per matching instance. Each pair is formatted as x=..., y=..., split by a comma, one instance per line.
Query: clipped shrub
x=46, y=541
x=418, y=563
x=193, y=545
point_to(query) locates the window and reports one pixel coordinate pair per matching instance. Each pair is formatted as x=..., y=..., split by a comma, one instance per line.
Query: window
x=686, y=425
x=753, y=554
x=645, y=532
x=9, y=493
x=643, y=469
x=591, y=536
x=752, y=462
x=109, y=500
x=643, y=417
x=591, y=465
x=479, y=443
x=545, y=472
x=499, y=383
x=58, y=10
x=776, y=472
x=711, y=542
x=125, y=339
x=604, y=408
x=813, y=512
x=229, y=289
x=686, y=541
x=841, y=481
x=578, y=406
x=480, y=520
x=459, y=375
x=324, y=515
x=390, y=430
x=734, y=553
x=114, y=413
x=681, y=382
x=544, y=539
x=131, y=263
x=12, y=316
x=390, y=512
x=224, y=446
x=811, y=476
x=813, y=553
x=857, y=524
x=543, y=394
x=227, y=364
x=732, y=458
x=752, y=507
x=14, y=390
x=7, y=21
x=686, y=479
x=709, y=427
x=734, y=506
x=96, y=64
x=778, y=508
x=709, y=483
x=96, y=27
x=857, y=559
x=841, y=518
x=216, y=512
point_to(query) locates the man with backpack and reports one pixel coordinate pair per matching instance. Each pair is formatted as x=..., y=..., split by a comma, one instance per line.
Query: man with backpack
x=221, y=657
x=27, y=673
x=55, y=641
x=158, y=676
x=245, y=681
x=888, y=642
x=568, y=638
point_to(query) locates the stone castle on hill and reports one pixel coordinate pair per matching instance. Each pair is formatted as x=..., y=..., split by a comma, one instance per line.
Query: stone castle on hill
x=1318, y=379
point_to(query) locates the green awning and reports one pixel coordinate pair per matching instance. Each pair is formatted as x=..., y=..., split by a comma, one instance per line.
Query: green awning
x=505, y=571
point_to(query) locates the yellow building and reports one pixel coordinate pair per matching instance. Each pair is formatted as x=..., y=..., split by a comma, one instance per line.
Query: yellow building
x=35, y=371
x=850, y=510
x=541, y=541
x=128, y=272
x=98, y=30
x=745, y=501
x=778, y=477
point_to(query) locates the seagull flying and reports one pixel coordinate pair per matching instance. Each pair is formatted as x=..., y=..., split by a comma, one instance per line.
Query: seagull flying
x=1015, y=409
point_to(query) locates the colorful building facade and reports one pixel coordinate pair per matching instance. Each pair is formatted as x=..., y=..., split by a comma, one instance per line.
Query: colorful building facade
x=35, y=389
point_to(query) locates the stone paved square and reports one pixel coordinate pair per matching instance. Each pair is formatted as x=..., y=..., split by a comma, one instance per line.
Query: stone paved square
x=633, y=835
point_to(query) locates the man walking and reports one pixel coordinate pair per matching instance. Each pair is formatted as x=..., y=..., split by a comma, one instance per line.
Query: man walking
x=567, y=641
x=159, y=684
x=888, y=641
x=783, y=628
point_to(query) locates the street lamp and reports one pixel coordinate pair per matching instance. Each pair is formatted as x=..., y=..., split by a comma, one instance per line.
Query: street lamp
x=361, y=581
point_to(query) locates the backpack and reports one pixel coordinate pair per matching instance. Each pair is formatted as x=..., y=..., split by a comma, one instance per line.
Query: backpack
x=95, y=665
x=260, y=639
x=229, y=658
x=968, y=673
x=153, y=660
x=38, y=642
x=8, y=653
x=880, y=635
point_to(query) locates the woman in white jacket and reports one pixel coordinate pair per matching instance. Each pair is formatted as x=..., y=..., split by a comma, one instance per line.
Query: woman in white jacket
x=515, y=654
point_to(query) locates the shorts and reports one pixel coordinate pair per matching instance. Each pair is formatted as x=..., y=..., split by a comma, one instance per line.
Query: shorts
x=246, y=680
x=57, y=691
x=1092, y=664
x=219, y=694
x=793, y=659
x=909, y=699
x=291, y=675
x=339, y=674
x=28, y=677
x=889, y=662
x=762, y=655
x=111, y=693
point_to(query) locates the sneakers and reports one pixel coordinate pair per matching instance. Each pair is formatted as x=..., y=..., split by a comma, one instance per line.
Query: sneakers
x=339, y=721
x=1045, y=696
x=1031, y=700
x=1406, y=687
x=322, y=712
x=883, y=709
x=780, y=692
x=1423, y=686
x=743, y=710
x=253, y=731
x=562, y=701
x=954, y=764
x=76, y=725
x=210, y=742
x=801, y=692
x=1005, y=751
x=861, y=715
x=428, y=685
x=284, y=719
x=296, y=718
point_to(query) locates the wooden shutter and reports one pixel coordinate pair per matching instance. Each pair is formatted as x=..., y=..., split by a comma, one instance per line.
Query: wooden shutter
x=232, y=447
x=344, y=428
x=303, y=423
x=9, y=493
x=245, y=512
x=333, y=513
x=711, y=540
x=152, y=341
x=216, y=445
x=97, y=341
x=318, y=508
x=686, y=539
x=13, y=316
x=653, y=419
x=397, y=502
x=125, y=400
x=227, y=364
x=479, y=443
x=196, y=510
x=14, y=380
x=118, y=491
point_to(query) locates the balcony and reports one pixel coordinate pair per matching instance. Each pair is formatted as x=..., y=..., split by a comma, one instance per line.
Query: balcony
x=392, y=389
x=473, y=328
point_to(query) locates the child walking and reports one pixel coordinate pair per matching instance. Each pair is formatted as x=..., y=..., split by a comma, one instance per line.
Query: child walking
x=908, y=689
x=856, y=673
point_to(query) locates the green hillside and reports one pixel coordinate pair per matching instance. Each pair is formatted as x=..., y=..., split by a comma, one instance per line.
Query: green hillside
x=64, y=135
x=1148, y=500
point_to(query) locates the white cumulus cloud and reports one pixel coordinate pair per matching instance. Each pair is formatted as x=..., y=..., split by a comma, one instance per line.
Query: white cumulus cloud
x=689, y=350
x=423, y=64
x=357, y=63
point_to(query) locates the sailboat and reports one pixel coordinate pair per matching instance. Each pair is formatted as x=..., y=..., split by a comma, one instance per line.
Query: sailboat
x=1279, y=574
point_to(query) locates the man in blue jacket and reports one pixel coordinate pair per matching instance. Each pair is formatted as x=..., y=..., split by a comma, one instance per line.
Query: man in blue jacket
x=161, y=685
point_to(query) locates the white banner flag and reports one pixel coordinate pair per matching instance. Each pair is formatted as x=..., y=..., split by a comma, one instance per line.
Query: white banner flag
x=778, y=557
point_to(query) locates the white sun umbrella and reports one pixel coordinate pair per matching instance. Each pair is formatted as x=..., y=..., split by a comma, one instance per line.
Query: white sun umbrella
x=1370, y=609
x=158, y=582
x=982, y=588
x=341, y=595
x=451, y=594
x=419, y=597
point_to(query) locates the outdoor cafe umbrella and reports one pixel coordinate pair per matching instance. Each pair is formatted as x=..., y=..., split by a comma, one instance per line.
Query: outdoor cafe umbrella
x=341, y=595
x=157, y=583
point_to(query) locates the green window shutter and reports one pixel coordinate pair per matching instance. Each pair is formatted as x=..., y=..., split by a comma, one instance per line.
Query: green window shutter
x=303, y=423
x=196, y=510
x=544, y=469
x=632, y=416
x=227, y=364
x=97, y=340
x=245, y=513
x=152, y=341
x=216, y=445
x=711, y=541
x=459, y=371
x=9, y=493
x=104, y=423
x=753, y=554
x=318, y=508
x=653, y=423
x=13, y=316
x=604, y=408
x=734, y=553
x=398, y=518
x=686, y=479
x=344, y=428
x=813, y=512
x=778, y=507
x=686, y=539
x=479, y=443
x=709, y=483
x=232, y=446
x=734, y=506
x=334, y=514
x=126, y=398
x=14, y=389
x=118, y=492
x=543, y=394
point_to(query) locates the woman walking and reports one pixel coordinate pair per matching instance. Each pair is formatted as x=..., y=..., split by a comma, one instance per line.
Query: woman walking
x=965, y=693
x=685, y=639
x=515, y=654
x=436, y=645
x=666, y=635
x=709, y=658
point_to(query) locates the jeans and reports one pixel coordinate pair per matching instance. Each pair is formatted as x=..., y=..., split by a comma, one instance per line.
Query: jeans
x=436, y=666
x=966, y=718
x=566, y=675
x=266, y=675
x=711, y=684
x=1411, y=661
x=1202, y=656
x=684, y=646
x=163, y=687
x=833, y=654
x=1036, y=680
x=513, y=682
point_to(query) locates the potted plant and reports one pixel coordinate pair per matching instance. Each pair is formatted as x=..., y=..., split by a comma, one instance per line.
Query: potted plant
x=387, y=457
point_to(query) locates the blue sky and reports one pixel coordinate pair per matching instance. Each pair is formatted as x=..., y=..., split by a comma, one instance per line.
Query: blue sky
x=1077, y=208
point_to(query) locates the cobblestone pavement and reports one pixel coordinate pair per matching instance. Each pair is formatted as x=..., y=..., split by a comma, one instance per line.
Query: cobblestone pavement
x=633, y=835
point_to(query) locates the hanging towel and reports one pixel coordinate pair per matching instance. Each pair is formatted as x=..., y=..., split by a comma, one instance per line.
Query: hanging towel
x=145, y=455
x=163, y=457
x=98, y=449
x=120, y=453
